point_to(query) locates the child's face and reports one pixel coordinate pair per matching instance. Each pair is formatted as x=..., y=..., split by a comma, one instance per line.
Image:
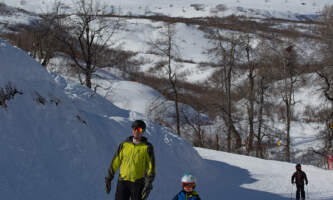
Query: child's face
x=188, y=189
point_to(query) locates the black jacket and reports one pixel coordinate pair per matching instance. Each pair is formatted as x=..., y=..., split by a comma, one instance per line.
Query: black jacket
x=299, y=177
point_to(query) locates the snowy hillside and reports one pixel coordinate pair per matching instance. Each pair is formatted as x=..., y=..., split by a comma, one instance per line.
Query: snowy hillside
x=57, y=139
x=10, y=15
x=128, y=95
x=267, y=175
x=287, y=9
x=134, y=96
x=192, y=45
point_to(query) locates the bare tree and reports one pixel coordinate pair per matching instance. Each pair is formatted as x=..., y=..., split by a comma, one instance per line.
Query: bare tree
x=196, y=122
x=325, y=74
x=284, y=60
x=262, y=86
x=288, y=91
x=249, y=51
x=45, y=42
x=225, y=52
x=90, y=33
x=326, y=33
x=39, y=39
x=166, y=46
x=280, y=58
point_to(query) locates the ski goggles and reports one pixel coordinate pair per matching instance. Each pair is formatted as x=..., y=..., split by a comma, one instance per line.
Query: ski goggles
x=139, y=129
x=188, y=185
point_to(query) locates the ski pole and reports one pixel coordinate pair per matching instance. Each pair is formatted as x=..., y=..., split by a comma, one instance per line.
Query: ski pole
x=307, y=192
x=291, y=194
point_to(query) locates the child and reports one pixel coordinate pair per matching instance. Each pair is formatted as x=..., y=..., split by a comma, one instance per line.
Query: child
x=299, y=177
x=188, y=192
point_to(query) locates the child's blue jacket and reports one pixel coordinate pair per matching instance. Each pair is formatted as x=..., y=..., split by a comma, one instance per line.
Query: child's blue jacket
x=182, y=195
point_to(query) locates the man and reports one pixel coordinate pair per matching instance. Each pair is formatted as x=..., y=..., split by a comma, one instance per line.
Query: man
x=136, y=160
x=300, y=177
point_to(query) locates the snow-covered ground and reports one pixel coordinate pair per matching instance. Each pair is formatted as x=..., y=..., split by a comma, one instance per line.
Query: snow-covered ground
x=57, y=139
x=140, y=98
x=287, y=9
x=192, y=44
x=128, y=95
x=61, y=150
x=190, y=39
x=269, y=176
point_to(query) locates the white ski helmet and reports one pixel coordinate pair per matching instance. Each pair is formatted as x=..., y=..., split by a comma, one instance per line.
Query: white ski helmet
x=188, y=178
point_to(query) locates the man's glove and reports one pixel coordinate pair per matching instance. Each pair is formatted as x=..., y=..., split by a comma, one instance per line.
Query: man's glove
x=146, y=190
x=108, y=185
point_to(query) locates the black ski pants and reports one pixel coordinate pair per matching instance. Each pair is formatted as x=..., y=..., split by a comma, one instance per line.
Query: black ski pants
x=300, y=192
x=127, y=190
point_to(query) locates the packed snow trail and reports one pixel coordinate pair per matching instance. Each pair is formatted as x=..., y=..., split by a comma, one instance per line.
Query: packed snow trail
x=271, y=176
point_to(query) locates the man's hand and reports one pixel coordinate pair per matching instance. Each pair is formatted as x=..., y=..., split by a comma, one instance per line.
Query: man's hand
x=108, y=185
x=146, y=190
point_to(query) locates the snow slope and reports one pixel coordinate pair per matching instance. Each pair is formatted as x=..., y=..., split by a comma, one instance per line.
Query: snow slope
x=288, y=9
x=128, y=95
x=12, y=16
x=140, y=98
x=270, y=176
x=61, y=151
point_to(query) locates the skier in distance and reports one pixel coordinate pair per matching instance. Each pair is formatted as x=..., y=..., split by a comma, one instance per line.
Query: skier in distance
x=299, y=177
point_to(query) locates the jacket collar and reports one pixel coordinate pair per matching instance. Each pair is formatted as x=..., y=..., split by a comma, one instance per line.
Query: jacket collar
x=130, y=139
x=195, y=193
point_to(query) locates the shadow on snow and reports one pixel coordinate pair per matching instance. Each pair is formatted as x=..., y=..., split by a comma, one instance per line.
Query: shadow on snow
x=224, y=183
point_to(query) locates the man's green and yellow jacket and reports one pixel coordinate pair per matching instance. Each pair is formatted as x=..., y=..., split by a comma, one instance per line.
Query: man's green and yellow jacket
x=136, y=161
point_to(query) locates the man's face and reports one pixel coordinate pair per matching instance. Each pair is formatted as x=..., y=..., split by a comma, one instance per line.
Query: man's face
x=137, y=132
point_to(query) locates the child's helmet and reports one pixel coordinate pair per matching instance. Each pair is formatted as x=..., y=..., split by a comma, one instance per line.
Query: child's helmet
x=298, y=166
x=188, y=180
